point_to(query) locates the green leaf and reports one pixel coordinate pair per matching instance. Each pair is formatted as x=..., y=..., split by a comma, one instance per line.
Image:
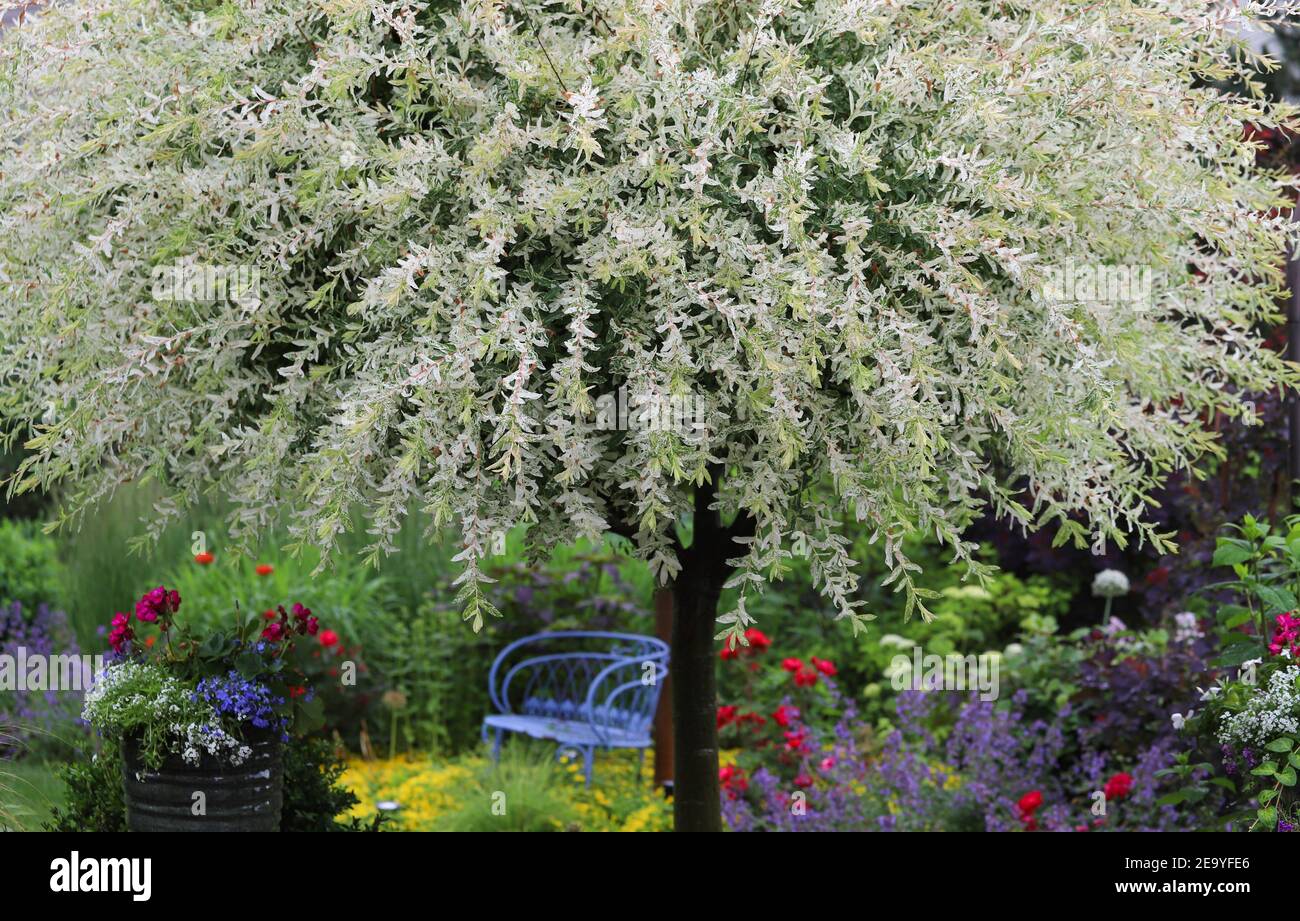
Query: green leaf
x=1280, y=745
x=1276, y=599
x=1232, y=550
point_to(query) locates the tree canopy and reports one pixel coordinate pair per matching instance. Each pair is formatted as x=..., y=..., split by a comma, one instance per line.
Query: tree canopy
x=851, y=232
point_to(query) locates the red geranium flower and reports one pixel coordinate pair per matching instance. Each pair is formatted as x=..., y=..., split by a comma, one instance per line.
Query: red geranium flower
x=204, y=558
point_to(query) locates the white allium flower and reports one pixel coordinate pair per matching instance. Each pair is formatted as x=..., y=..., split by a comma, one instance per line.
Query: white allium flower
x=1110, y=583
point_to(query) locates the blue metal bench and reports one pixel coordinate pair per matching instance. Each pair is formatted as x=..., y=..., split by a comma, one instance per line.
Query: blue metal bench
x=583, y=690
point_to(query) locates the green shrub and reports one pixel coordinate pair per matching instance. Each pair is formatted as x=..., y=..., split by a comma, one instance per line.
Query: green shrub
x=523, y=791
x=30, y=572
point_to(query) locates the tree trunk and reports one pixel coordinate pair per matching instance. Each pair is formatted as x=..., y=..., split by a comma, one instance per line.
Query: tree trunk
x=696, y=590
x=696, y=802
x=663, y=767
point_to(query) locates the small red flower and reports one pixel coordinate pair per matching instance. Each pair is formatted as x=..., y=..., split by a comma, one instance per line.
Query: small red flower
x=264, y=569
x=1118, y=786
x=783, y=714
x=805, y=678
x=792, y=665
x=803, y=781
x=729, y=652
x=1029, y=803
x=758, y=640
x=268, y=614
x=204, y=558
x=328, y=638
x=824, y=666
x=273, y=632
x=726, y=715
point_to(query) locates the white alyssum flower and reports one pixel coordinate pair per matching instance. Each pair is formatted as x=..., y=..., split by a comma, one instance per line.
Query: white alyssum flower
x=1274, y=710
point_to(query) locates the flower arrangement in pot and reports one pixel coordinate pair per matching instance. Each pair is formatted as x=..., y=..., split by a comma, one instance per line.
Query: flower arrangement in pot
x=200, y=719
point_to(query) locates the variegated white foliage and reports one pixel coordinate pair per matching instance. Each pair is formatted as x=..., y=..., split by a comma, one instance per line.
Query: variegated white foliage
x=830, y=220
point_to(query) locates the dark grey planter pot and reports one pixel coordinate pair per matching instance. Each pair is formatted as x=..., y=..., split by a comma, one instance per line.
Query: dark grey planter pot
x=244, y=798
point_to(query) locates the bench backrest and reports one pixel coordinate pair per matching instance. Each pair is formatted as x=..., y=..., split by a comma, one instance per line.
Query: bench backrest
x=609, y=680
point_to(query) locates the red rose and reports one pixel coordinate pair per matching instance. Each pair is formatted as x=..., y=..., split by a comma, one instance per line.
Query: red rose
x=827, y=668
x=805, y=678
x=758, y=641
x=1118, y=786
x=783, y=714
x=726, y=715
x=1029, y=803
x=792, y=665
x=728, y=652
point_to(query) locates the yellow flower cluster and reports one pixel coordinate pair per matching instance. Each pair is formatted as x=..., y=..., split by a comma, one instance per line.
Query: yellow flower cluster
x=622, y=796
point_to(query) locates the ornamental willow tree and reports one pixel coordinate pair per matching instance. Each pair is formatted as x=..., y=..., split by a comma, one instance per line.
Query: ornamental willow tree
x=849, y=233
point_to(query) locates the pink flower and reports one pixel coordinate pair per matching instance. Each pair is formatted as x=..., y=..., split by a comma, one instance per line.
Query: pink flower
x=273, y=632
x=828, y=763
